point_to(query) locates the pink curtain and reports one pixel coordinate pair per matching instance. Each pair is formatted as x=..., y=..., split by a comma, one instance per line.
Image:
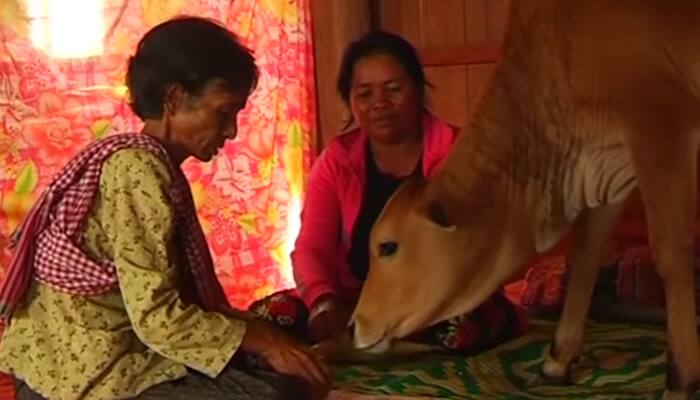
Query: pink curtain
x=53, y=101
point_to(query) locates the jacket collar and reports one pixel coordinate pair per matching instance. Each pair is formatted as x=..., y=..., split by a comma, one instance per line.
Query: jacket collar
x=437, y=140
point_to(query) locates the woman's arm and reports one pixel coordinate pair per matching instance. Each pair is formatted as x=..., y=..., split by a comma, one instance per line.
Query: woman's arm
x=136, y=216
x=317, y=247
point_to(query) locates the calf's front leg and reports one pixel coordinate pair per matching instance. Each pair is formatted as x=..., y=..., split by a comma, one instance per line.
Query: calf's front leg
x=591, y=231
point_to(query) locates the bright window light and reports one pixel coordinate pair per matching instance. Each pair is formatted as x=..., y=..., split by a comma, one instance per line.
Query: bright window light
x=293, y=228
x=67, y=28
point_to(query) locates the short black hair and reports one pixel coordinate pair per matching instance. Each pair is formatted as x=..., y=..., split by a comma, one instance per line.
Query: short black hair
x=380, y=42
x=189, y=51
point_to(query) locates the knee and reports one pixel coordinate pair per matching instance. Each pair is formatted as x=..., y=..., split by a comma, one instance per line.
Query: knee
x=671, y=253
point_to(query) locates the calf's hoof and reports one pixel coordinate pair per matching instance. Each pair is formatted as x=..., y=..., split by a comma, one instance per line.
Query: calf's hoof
x=555, y=372
x=676, y=388
x=683, y=395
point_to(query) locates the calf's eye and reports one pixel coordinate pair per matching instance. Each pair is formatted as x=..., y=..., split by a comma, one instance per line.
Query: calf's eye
x=387, y=248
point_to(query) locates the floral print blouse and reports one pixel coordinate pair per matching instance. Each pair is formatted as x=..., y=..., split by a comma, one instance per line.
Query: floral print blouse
x=118, y=344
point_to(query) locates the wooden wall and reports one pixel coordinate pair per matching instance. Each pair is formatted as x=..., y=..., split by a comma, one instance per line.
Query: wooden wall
x=459, y=41
x=335, y=24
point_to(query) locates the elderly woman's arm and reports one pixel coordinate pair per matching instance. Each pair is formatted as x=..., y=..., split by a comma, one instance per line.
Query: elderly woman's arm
x=137, y=218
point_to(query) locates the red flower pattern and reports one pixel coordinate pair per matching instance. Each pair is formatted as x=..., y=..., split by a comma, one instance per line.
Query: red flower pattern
x=63, y=104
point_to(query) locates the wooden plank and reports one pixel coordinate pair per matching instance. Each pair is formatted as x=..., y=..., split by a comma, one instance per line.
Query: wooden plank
x=497, y=20
x=448, y=99
x=335, y=24
x=476, y=22
x=442, y=23
x=462, y=55
x=400, y=17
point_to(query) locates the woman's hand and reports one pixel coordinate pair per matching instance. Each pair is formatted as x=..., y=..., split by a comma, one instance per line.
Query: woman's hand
x=287, y=356
x=328, y=319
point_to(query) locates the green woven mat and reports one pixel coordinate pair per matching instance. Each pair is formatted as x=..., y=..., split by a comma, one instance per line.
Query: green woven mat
x=619, y=362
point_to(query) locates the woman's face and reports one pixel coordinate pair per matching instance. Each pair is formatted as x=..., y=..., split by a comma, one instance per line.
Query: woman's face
x=199, y=125
x=384, y=99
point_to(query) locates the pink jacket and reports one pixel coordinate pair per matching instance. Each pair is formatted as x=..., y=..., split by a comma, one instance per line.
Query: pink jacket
x=335, y=193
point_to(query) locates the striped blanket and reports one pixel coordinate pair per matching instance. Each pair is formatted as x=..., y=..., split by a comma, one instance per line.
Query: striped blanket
x=620, y=361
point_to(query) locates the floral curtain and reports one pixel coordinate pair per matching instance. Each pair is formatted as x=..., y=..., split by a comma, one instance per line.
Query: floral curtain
x=61, y=88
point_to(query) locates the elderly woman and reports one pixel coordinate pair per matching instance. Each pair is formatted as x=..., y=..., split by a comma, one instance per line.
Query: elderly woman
x=111, y=293
x=382, y=82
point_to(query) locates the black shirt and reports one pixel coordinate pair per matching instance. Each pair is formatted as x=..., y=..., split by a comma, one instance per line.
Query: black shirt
x=378, y=189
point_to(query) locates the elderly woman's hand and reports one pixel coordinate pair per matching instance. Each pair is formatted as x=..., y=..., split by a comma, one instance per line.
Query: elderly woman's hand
x=287, y=356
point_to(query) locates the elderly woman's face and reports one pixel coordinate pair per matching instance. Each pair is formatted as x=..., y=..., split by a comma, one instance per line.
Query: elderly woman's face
x=384, y=99
x=200, y=125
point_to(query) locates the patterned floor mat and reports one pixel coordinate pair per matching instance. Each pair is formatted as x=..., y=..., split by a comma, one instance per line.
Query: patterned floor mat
x=619, y=362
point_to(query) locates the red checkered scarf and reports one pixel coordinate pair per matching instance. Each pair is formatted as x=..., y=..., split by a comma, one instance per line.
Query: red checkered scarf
x=49, y=250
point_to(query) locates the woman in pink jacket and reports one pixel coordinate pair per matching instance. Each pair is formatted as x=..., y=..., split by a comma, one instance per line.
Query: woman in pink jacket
x=382, y=81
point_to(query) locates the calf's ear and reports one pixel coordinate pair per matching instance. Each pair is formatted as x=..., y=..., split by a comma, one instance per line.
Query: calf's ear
x=437, y=214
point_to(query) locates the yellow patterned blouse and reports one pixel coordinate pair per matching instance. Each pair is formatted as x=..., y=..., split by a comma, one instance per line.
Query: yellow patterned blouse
x=118, y=344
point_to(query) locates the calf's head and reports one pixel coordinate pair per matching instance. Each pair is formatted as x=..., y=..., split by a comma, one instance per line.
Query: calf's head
x=431, y=258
